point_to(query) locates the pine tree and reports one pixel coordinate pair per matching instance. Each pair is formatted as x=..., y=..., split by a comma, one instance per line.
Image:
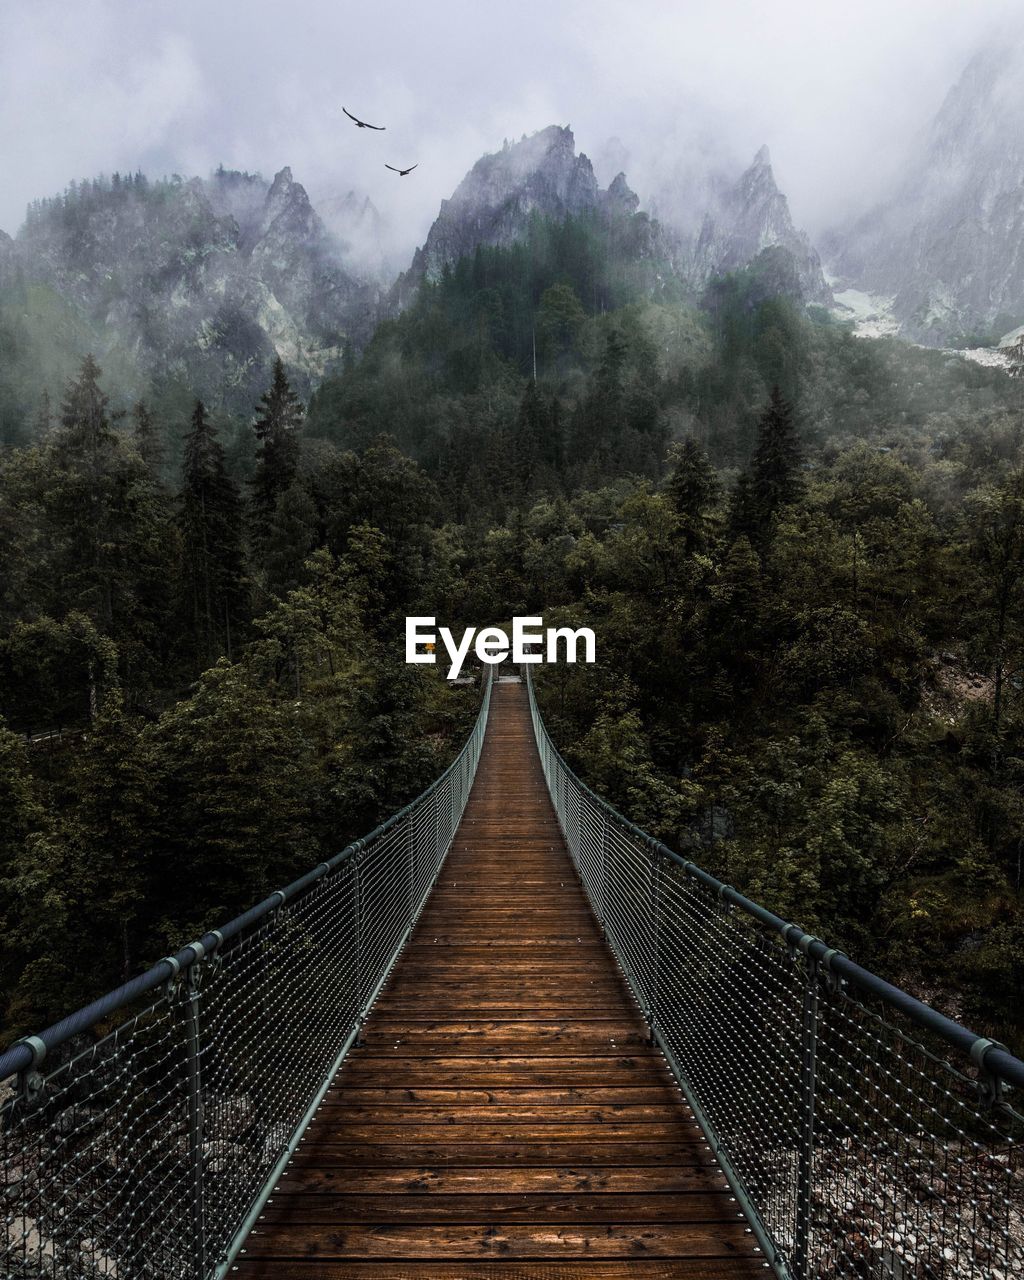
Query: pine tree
x=693, y=488
x=743, y=521
x=44, y=418
x=85, y=427
x=147, y=440
x=211, y=528
x=104, y=545
x=528, y=441
x=84, y=504
x=775, y=472
x=279, y=418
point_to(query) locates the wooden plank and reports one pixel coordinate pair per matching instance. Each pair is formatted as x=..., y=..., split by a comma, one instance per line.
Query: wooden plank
x=432, y=1209
x=395, y=1180
x=539, y=1070
x=523, y=1096
x=510, y=1154
x=347, y=1131
x=341, y=1111
x=512, y=1240
x=555, y=1047
x=602, y=1030
x=497, y=1269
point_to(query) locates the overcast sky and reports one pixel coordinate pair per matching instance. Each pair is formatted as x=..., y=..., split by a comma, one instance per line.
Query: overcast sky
x=836, y=89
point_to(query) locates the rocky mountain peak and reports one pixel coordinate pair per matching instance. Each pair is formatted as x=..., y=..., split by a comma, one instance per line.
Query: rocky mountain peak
x=751, y=216
x=288, y=204
x=620, y=200
x=493, y=202
x=946, y=244
x=363, y=235
x=204, y=281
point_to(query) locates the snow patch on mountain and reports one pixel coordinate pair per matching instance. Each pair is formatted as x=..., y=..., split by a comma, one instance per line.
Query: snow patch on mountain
x=871, y=314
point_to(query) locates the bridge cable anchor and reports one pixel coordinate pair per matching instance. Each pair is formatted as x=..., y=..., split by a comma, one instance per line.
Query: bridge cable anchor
x=991, y=1088
x=30, y=1079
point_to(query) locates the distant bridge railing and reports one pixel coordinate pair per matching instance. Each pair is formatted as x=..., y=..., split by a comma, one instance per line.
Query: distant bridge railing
x=863, y=1133
x=141, y=1136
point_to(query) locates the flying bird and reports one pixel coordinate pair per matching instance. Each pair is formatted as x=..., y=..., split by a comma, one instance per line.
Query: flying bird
x=402, y=172
x=361, y=124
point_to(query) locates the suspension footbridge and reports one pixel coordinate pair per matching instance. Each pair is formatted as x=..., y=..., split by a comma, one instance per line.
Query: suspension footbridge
x=509, y=1035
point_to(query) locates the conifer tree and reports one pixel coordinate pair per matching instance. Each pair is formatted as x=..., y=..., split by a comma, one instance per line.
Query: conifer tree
x=147, y=440
x=211, y=528
x=277, y=425
x=692, y=489
x=44, y=417
x=529, y=440
x=85, y=499
x=775, y=471
x=85, y=427
x=743, y=521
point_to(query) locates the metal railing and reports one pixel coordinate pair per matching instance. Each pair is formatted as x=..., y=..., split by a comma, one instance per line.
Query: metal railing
x=140, y=1137
x=863, y=1133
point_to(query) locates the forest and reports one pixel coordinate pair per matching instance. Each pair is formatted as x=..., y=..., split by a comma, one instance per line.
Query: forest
x=802, y=553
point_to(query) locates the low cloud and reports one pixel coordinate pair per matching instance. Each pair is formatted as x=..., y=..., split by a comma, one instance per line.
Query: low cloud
x=837, y=91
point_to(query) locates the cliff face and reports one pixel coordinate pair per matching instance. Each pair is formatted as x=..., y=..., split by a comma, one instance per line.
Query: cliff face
x=949, y=242
x=202, y=281
x=493, y=203
x=748, y=218
x=544, y=175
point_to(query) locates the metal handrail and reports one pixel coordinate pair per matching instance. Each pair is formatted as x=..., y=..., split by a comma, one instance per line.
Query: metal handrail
x=148, y=1151
x=771, y=1033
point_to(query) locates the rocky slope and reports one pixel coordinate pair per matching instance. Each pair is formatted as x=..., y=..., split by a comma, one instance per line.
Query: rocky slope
x=202, y=282
x=949, y=243
x=543, y=174
x=199, y=284
x=746, y=219
x=493, y=203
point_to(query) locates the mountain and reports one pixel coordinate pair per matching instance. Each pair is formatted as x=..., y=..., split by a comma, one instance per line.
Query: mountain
x=493, y=203
x=200, y=282
x=195, y=286
x=748, y=218
x=367, y=238
x=948, y=244
x=543, y=175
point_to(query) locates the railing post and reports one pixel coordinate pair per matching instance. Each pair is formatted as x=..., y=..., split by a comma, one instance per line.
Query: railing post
x=195, y=1123
x=806, y=1117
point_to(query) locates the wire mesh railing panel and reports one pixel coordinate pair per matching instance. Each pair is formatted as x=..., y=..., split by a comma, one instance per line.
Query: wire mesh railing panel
x=864, y=1135
x=589, y=858
x=274, y=1008
x=95, y=1162
x=915, y=1174
x=627, y=911
x=729, y=1007
x=145, y=1152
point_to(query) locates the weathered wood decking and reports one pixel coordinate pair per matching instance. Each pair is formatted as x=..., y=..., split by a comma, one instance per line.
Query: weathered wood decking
x=505, y=1116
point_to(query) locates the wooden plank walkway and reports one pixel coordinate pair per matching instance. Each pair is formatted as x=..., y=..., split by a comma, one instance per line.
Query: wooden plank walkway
x=505, y=1116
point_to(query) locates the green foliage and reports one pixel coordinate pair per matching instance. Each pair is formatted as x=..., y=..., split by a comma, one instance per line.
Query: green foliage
x=210, y=521
x=279, y=417
x=810, y=625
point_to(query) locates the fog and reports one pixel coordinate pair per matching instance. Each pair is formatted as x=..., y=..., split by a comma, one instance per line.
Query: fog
x=664, y=90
